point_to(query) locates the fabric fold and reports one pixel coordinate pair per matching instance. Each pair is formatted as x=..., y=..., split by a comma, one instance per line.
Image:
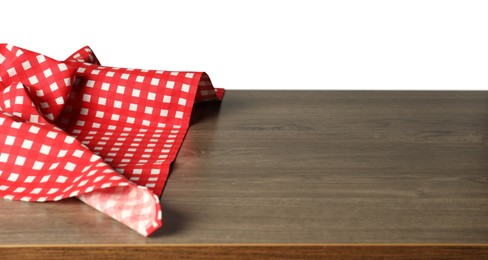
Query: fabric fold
x=135, y=206
x=135, y=119
x=105, y=135
x=48, y=81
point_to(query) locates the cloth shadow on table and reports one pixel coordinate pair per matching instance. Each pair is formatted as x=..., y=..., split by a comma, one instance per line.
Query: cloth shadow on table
x=174, y=221
x=204, y=111
x=201, y=111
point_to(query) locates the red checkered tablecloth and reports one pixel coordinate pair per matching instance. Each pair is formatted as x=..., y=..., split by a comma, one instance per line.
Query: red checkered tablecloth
x=106, y=135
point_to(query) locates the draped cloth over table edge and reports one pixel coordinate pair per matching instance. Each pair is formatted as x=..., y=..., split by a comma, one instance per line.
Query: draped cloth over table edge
x=102, y=134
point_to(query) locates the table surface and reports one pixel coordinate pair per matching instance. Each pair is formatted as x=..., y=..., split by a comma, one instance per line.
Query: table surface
x=320, y=167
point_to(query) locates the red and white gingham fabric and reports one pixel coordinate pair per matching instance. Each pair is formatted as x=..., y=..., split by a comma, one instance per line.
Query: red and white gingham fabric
x=105, y=135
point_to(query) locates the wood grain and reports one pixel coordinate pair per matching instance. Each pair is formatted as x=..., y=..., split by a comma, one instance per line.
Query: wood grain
x=250, y=251
x=321, y=167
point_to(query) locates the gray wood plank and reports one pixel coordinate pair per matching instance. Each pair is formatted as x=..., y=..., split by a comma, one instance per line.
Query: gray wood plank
x=306, y=167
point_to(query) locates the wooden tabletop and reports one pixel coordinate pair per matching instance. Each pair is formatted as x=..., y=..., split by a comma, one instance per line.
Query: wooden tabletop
x=301, y=169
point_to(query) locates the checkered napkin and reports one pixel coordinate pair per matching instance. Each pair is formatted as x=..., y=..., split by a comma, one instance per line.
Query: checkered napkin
x=102, y=134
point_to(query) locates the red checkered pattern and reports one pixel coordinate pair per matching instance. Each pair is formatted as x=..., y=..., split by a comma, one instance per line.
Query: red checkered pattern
x=45, y=79
x=114, y=121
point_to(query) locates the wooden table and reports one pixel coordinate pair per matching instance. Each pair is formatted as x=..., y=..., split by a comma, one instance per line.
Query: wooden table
x=292, y=174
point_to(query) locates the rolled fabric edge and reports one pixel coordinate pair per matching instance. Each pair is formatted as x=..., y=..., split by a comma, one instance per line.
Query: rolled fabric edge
x=134, y=206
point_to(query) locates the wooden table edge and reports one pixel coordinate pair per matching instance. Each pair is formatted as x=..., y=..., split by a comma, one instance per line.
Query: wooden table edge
x=245, y=251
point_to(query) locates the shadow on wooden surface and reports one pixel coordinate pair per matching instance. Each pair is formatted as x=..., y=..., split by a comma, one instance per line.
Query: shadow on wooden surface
x=173, y=222
x=204, y=110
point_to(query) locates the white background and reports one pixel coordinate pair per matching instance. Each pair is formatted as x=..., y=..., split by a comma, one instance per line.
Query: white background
x=427, y=45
